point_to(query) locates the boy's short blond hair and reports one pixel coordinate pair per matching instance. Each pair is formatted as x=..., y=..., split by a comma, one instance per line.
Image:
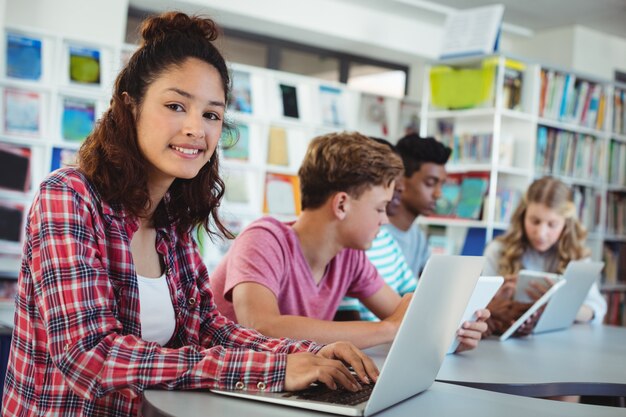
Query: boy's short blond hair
x=345, y=161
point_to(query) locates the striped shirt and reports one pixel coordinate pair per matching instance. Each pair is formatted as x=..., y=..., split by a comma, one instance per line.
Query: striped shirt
x=77, y=346
x=388, y=259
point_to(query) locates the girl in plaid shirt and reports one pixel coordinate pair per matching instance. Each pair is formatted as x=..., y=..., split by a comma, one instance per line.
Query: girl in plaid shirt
x=87, y=338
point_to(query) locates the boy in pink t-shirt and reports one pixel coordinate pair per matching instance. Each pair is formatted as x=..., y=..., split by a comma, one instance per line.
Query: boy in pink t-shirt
x=287, y=279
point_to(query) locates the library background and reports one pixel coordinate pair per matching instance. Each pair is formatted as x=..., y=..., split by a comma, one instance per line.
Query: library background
x=509, y=119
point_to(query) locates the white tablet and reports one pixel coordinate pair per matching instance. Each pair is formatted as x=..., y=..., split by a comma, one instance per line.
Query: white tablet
x=525, y=277
x=536, y=306
x=485, y=289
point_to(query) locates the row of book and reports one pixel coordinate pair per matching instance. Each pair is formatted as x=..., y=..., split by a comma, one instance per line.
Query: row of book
x=566, y=153
x=614, y=257
x=588, y=204
x=566, y=98
x=619, y=111
x=466, y=147
x=617, y=163
x=616, y=214
x=507, y=200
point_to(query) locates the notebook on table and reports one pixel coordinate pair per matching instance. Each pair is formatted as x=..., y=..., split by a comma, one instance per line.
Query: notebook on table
x=415, y=356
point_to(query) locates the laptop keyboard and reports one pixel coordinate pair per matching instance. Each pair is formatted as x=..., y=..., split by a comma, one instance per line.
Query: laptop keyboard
x=339, y=396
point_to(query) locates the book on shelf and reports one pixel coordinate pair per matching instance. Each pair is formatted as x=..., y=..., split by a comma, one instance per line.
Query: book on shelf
x=512, y=88
x=282, y=194
x=22, y=112
x=565, y=97
x=473, y=189
x=616, y=213
x=11, y=220
x=331, y=106
x=241, y=93
x=566, y=153
x=507, y=200
x=617, y=163
x=235, y=144
x=289, y=100
x=462, y=195
x=23, y=57
x=277, y=147
x=373, y=119
x=450, y=193
x=616, y=307
x=588, y=206
x=78, y=118
x=14, y=168
x=84, y=65
x=614, y=257
x=619, y=111
x=63, y=158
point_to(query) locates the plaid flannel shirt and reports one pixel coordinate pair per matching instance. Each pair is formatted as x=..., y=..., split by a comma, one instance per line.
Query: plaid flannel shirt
x=77, y=347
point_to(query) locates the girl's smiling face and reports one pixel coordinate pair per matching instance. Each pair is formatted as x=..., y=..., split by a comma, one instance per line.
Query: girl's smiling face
x=180, y=120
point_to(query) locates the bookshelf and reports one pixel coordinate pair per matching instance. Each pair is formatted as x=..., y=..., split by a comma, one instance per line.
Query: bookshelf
x=55, y=88
x=557, y=122
x=491, y=133
x=277, y=114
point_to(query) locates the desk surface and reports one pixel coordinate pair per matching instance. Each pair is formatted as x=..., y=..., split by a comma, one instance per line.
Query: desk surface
x=439, y=400
x=582, y=360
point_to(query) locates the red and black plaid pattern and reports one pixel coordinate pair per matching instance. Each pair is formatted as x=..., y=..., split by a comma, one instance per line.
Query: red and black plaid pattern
x=77, y=347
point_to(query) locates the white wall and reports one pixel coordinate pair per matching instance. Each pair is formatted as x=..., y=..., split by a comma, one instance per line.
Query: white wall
x=553, y=47
x=597, y=53
x=575, y=47
x=102, y=21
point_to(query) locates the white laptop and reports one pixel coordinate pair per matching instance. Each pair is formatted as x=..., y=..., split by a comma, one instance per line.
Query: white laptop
x=416, y=354
x=561, y=310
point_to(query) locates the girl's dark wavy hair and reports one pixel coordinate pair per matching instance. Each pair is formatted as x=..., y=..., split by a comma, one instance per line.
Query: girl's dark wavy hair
x=110, y=156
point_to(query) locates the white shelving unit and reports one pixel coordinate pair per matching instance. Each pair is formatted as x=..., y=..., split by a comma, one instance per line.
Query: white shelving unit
x=597, y=171
x=509, y=163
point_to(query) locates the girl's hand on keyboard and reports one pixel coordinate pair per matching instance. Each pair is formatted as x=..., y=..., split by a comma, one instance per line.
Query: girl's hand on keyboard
x=363, y=365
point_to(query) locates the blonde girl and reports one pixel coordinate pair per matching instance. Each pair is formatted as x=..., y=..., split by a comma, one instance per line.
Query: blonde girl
x=545, y=235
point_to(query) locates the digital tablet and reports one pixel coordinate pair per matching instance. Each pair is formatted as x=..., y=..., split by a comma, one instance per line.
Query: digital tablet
x=525, y=277
x=536, y=306
x=485, y=289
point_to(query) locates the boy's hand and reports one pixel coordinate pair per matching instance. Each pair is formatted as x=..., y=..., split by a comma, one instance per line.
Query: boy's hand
x=471, y=332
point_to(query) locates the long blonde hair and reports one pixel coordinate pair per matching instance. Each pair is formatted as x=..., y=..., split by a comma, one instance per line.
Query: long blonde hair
x=557, y=196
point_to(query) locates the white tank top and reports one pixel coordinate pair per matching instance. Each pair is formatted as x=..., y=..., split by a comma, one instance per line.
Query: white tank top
x=156, y=310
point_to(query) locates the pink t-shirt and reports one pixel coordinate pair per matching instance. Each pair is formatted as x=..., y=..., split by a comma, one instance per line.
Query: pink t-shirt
x=268, y=252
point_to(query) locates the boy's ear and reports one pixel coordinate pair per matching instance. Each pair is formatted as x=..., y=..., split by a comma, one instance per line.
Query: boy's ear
x=340, y=203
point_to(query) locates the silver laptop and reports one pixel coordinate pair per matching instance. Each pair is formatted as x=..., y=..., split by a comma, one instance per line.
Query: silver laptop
x=416, y=354
x=561, y=310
